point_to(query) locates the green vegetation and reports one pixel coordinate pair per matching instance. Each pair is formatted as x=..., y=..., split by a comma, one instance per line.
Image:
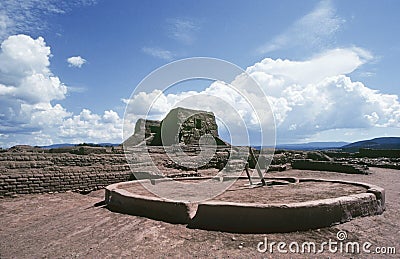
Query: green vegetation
x=87, y=145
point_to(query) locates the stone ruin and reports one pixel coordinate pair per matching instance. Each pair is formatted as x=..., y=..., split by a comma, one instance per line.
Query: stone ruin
x=180, y=126
x=193, y=200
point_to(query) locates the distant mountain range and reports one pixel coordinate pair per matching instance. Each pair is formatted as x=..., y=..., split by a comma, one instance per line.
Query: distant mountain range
x=309, y=146
x=312, y=145
x=376, y=143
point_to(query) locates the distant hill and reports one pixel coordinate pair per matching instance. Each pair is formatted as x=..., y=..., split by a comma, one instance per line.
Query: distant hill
x=57, y=146
x=310, y=146
x=376, y=143
x=72, y=145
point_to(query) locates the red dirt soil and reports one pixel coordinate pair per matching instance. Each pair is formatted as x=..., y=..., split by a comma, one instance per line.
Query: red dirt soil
x=277, y=194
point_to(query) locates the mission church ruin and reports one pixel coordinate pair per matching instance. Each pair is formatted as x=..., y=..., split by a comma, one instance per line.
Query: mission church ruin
x=180, y=126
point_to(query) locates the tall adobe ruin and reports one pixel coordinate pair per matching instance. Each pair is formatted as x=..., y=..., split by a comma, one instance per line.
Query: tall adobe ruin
x=180, y=126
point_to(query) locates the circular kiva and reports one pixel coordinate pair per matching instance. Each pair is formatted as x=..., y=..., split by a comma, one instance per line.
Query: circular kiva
x=284, y=205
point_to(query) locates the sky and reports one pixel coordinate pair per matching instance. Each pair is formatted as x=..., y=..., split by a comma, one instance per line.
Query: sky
x=329, y=69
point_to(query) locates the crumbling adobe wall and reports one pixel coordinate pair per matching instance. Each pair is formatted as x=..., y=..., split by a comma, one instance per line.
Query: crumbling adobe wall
x=25, y=172
x=308, y=164
x=375, y=153
x=34, y=171
x=192, y=124
x=181, y=125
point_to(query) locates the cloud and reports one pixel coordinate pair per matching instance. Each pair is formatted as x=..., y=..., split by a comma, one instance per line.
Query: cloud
x=24, y=71
x=158, y=53
x=329, y=63
x=27, y=87
x=77, y=61
x=317, y=95
x=29, y=91
x=182, y=30
x=27, y=16
x=315, y=29
x=76, y=89
x=89, y=127
x=307, y=97
x=179, y=29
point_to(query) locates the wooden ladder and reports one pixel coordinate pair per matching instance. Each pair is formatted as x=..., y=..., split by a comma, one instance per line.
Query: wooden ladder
x=257, y=166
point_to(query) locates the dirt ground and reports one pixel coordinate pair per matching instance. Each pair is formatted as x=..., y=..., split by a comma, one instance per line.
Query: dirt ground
x=71, y=225
x=240, y=191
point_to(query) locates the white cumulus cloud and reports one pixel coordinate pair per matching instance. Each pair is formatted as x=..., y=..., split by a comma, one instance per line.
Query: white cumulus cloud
x=76, y=61
x=26, y=83
x=89, y=127
x=29, y=91
x=318, y=94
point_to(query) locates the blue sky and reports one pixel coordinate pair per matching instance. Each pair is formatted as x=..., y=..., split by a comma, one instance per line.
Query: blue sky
x=101, y=50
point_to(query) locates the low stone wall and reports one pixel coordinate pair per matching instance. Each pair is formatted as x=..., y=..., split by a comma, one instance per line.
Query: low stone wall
x=375, y=153
x=307, y=164
x=25, y=172
x=119, y=200
x=39, y=171
x=25, y=183
x=258, y=218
